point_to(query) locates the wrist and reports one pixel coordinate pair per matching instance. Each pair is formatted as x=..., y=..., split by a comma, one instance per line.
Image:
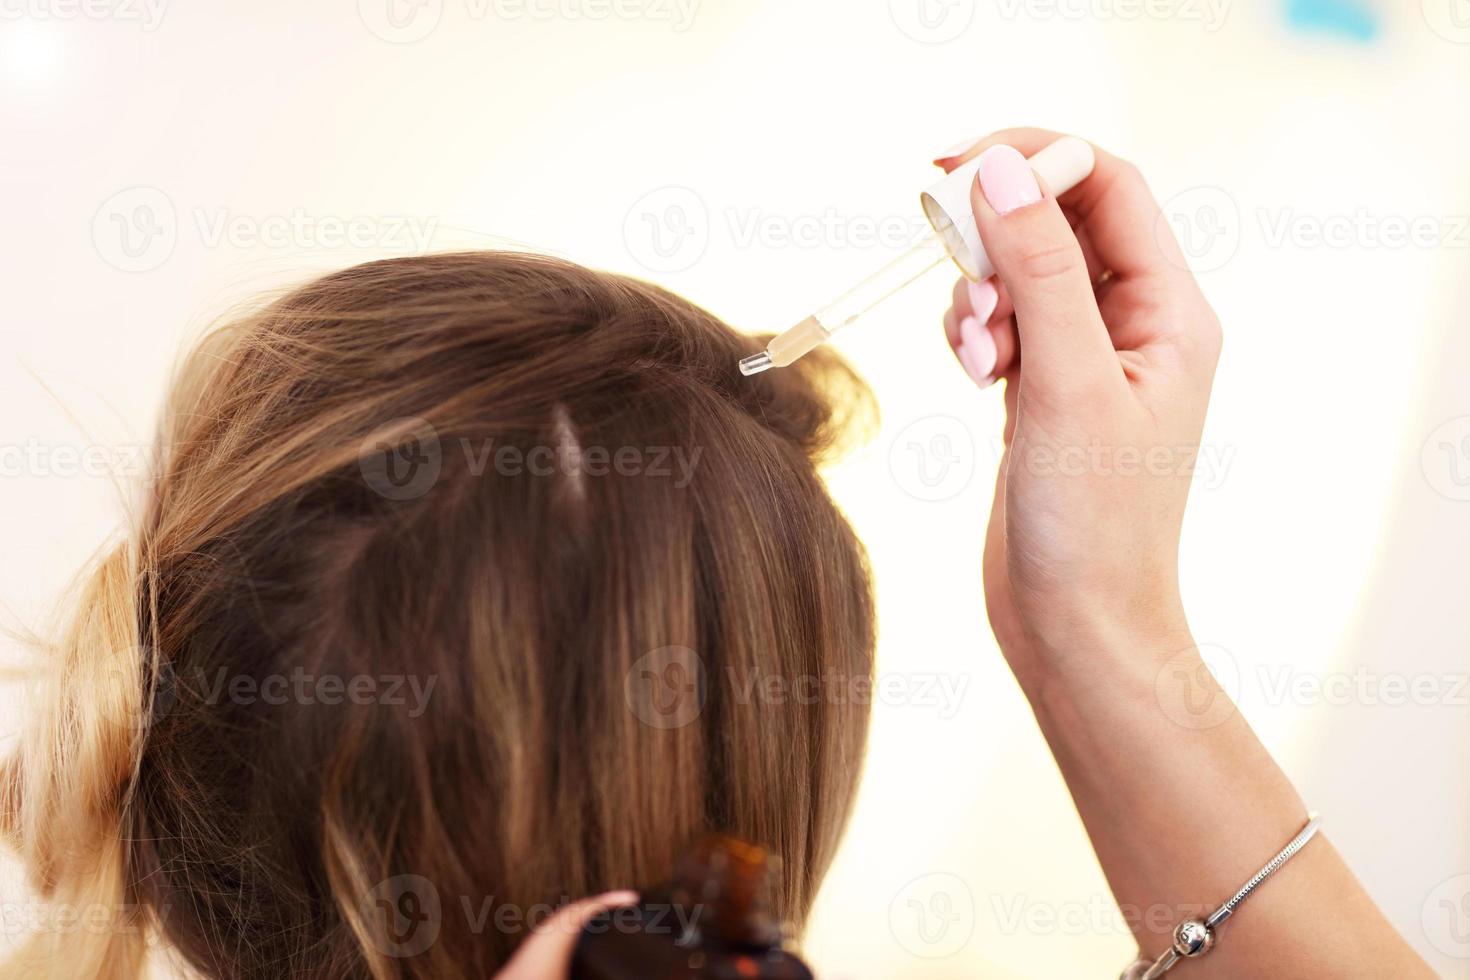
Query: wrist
x=1102, y=650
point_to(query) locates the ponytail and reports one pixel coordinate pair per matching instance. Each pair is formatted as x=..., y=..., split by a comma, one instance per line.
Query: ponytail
x=65, y=797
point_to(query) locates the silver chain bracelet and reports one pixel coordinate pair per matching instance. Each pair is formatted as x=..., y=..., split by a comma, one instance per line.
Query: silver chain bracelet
x=1195, y=937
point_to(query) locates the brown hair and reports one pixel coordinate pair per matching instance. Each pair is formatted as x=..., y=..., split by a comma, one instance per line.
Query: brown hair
x=445, y=471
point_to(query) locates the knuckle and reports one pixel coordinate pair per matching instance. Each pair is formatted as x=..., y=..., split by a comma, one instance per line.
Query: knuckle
x=1053, y=261
x=1129, y=173
x=1211, y=332
x=1215, y=344
x=1205, y=337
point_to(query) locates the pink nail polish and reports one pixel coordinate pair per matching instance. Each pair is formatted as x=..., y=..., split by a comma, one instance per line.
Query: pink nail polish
x=984, y=298
x=976, y=351
x=1007, y=179
x=958, y=150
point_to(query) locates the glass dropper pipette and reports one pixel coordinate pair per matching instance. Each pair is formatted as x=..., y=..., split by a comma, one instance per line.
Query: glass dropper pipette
x=1060, y=166
x=815, y=329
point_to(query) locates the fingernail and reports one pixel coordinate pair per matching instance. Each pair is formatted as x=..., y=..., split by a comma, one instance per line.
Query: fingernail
x=621, y=897
x=958, y=150
x=984, y=298
x=1007, y=180
x=976, y=351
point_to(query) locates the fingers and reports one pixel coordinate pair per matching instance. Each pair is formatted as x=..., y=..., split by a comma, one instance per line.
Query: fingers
x=547, y=952
x=1037, y=256
x=1114, y=203
x=980, y=330
x=1149, y=296
x=1115, y=209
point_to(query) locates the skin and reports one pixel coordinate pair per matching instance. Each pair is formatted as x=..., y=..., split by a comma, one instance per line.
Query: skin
x=1082, y=592
x=547, y=952
x=1082, y=587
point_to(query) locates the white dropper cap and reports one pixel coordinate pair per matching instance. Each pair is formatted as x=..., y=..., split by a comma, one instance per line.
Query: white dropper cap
x=1063, y=165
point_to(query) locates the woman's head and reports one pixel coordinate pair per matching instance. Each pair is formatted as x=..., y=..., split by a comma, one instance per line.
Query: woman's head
x=481, y=568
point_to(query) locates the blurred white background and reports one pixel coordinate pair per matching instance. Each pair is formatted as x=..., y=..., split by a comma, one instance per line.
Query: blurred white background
x=160, y=161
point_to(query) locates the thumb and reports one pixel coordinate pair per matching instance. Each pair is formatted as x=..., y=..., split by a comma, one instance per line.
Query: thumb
x=1063, y=338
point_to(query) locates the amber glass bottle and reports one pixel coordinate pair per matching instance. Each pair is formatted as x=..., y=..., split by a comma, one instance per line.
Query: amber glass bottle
x=713, y=922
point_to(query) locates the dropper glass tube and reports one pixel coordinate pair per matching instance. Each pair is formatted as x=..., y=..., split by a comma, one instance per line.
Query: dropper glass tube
x=812, y=332
x=1062, y=165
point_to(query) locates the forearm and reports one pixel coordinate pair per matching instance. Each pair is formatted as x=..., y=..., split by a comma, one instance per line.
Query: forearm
x=1184, y=804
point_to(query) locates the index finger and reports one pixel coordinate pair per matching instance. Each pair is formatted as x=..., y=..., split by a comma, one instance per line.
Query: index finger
x=1114, y=203
x=547, y=952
